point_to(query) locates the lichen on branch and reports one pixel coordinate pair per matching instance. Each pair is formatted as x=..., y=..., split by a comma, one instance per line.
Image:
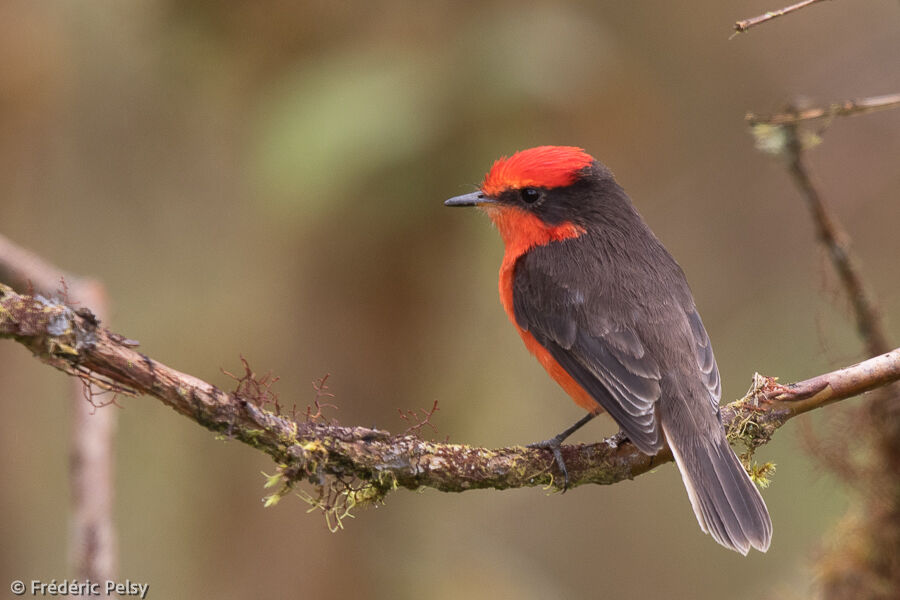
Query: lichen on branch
x=350, y=465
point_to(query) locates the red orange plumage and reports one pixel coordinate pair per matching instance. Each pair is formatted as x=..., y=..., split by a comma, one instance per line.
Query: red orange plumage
x=608, y=313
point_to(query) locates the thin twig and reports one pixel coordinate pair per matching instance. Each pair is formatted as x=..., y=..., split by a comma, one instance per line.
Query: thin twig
x=745, y=24
x=313, y=451
x=847, y=108
x=92, y=543
x=92, y=549
x=835, y=240
x=26, y=270
x=864, y=448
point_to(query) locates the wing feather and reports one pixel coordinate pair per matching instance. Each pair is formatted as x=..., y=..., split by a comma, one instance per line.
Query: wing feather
x=611, y=364
x=706, y=362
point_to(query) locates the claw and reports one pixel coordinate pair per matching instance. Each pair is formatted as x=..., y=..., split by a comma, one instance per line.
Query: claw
x=553, y=445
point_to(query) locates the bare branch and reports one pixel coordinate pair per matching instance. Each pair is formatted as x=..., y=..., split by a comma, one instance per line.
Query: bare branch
x=27, y=271
x=847, y=108
x=854, y=380
x=92, y=544
x=836, y=241
x=863, y=447
x=745, y=24
x=314, y=451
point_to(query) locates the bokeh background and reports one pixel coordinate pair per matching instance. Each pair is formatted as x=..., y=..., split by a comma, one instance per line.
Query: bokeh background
x=266, y=179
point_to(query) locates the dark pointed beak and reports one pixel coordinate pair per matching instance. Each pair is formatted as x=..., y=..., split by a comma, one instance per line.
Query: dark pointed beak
x=473, y=199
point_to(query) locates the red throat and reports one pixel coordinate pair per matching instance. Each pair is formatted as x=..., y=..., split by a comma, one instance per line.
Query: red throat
x=521, y=230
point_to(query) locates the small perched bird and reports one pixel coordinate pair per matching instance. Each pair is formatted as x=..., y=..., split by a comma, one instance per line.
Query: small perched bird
x=608, y=313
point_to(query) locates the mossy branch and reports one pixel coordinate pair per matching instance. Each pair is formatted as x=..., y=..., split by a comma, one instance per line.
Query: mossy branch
x=74, y=342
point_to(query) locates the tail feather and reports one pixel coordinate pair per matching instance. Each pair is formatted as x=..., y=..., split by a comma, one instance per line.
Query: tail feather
x=726, y=502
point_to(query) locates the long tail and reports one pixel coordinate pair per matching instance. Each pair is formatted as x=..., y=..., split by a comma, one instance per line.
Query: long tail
x=727, y=504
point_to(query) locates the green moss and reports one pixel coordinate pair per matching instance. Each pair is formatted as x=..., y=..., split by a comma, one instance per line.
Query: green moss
x=761, y=474
x=272, y=480
x=253, y=437
x=62, y=348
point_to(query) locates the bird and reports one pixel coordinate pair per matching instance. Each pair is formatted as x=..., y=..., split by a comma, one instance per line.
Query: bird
x=607, y=311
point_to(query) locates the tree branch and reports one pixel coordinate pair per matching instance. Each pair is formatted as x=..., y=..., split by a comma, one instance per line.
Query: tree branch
x=847, y=108
x=375, y=460
x=92, y=543
x=745, y=24
x=836, y=241
x=863, y=447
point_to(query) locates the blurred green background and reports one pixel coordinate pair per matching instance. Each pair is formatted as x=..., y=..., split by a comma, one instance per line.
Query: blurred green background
x=266, y=179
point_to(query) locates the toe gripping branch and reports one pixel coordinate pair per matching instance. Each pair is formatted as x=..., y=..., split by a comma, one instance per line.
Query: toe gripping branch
x=554, y=444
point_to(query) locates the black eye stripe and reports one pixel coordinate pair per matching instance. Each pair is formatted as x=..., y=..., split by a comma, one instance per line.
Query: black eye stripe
x=530, y=195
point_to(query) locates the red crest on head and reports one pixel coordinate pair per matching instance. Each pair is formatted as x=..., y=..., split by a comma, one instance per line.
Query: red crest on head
x=544, y=166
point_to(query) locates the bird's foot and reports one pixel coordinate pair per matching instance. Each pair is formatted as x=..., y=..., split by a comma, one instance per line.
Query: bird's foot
x=553, y=445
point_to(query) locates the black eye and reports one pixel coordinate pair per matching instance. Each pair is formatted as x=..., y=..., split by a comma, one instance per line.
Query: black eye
x=530, y=195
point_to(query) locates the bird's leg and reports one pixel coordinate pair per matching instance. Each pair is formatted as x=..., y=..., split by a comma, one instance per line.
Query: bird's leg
x=555, y=442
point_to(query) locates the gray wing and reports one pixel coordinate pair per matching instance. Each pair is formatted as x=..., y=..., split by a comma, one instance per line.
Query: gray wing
x=610, y=363
x=706, y=362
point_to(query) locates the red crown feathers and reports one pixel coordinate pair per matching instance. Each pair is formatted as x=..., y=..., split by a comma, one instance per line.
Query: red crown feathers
x=544, y=166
